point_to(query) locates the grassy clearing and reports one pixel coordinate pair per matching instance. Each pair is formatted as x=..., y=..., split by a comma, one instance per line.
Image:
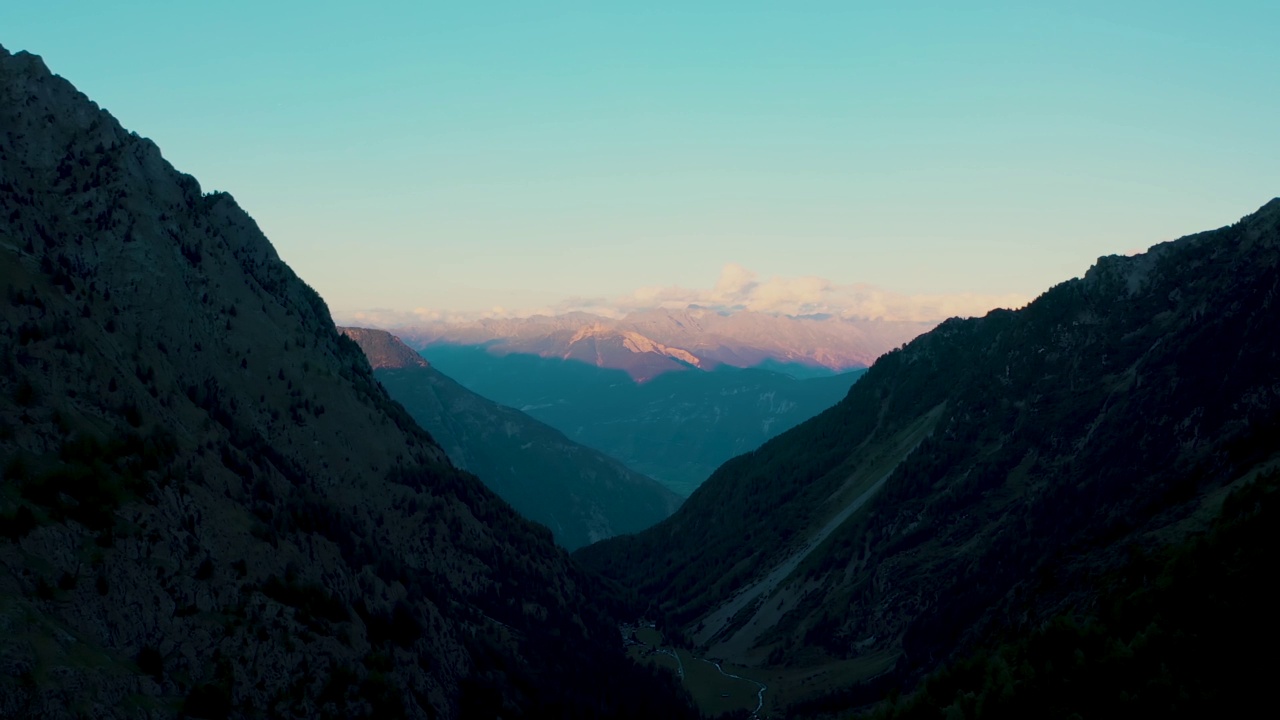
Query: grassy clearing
x=713, y=691
x=792, y=685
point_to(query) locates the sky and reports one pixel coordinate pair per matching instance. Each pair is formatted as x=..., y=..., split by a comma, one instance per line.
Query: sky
x=452, y=158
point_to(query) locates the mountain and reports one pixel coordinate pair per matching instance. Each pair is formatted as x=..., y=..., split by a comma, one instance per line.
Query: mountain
x=1052, y=511
x=384, y=350
x=676, y=428
x=653, y=342
x=751, y=339
x=581, y=494
x=209, y=507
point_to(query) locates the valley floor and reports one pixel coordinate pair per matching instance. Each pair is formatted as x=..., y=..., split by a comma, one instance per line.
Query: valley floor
x=717, y=690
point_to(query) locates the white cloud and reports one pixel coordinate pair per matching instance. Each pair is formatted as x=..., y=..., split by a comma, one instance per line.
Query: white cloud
x=741, y=289
x=737, y=288
x=735, y=280
x=387, y=318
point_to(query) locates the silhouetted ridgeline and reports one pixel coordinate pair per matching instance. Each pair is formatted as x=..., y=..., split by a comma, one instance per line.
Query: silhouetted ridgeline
x=209, y=506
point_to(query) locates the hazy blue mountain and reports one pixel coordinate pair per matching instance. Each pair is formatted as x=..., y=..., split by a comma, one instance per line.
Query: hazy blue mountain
x=676, y=428
x=581, y=494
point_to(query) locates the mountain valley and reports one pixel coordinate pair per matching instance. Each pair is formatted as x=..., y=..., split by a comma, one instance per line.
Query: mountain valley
x=215, y=503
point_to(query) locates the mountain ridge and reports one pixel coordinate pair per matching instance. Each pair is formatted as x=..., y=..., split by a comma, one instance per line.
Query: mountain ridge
x=649, y=343
x=384, y=350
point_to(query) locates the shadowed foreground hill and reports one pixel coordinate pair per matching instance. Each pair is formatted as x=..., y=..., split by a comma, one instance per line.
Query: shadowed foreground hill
x=995, y=473
x=581, y=494
x=208, y=505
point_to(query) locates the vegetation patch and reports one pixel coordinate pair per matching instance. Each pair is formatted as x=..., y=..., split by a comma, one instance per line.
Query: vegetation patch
x=90, y=478
x=311, y=601
x=1165, y=642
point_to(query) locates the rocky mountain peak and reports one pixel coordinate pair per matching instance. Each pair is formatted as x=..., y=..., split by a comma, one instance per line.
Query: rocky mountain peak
x=384, y=350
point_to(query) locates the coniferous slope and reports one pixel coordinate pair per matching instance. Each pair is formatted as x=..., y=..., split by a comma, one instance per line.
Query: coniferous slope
x=581, y=494
x=209, y=505
x=1006, y=465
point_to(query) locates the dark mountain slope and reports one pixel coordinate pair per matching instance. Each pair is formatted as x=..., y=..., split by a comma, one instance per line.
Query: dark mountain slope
x=1004, y=466
x=208, y=504
x=583, y=495
x=1164, y=639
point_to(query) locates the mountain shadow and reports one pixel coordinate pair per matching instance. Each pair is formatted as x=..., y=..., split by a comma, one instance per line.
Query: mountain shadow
x=581, y=494
x=676, y=428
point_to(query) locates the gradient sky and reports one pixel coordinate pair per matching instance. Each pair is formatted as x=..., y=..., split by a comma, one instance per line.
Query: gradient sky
x=459, y=156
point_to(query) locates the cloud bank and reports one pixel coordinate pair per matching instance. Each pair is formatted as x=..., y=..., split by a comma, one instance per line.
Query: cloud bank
x=737, y=288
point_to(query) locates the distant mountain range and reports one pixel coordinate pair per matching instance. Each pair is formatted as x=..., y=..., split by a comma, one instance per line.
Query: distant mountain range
x=650, y=343
x=581, y=494
x=671, y=393
x=1062, y=511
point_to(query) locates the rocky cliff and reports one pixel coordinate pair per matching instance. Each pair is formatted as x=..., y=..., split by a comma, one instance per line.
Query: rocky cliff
x=384, y=350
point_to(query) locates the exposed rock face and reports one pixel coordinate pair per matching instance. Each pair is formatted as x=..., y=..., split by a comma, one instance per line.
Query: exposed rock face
x=384, y=350
x=581, y=494
x=993, y=473
x=208, y=503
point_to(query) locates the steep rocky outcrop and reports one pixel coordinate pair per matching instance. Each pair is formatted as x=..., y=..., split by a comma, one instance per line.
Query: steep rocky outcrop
x=208, y=505
x=994, y=473
x=384, y=350
x=581, y=494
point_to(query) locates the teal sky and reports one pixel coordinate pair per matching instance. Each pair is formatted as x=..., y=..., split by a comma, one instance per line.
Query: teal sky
x=459, y=156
